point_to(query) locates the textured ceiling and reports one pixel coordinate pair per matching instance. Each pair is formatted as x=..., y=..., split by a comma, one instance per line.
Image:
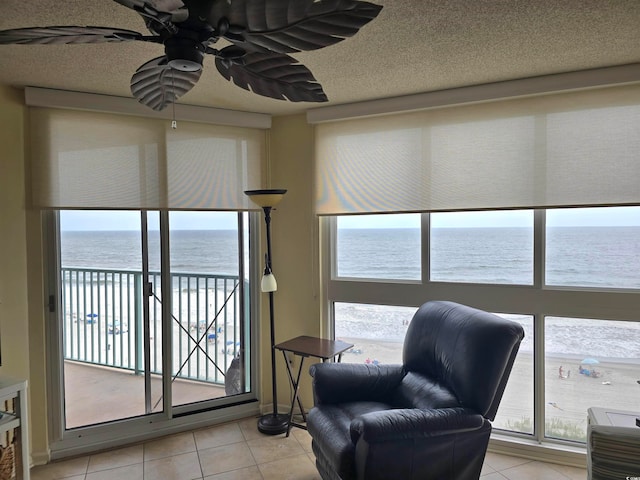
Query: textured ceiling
x=413, y=46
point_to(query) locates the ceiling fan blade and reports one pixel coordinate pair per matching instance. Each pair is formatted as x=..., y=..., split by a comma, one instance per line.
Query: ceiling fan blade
x=260, y=15
x=287, y=26
x=157, y=85
x=160, y=16
x=159, y=10
x=274, y=75
x=67, y=35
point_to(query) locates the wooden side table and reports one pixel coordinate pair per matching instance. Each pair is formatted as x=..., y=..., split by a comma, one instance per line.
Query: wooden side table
x=15, y=391
x=304, y=347
x=613, y=444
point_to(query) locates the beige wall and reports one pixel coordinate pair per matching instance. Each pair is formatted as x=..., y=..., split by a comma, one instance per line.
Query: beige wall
x=19, y=358
x=13, y=250
x=295, y=247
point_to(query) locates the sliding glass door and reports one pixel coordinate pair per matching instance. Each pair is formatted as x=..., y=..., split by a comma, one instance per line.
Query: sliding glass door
x=101, y=315
x=152, y=315
x=206, y=322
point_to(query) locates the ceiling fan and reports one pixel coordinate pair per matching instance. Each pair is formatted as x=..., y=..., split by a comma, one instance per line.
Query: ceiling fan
x=260, y=34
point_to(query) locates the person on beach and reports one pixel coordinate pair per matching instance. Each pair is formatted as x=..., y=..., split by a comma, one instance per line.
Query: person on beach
x=560, y=372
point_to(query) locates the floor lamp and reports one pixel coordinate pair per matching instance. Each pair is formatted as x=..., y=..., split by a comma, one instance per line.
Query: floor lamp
x=273, y=423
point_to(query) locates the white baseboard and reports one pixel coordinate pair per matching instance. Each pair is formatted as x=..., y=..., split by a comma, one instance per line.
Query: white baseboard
x=563, y=454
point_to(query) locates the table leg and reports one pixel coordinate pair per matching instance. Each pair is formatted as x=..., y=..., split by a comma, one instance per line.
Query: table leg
x=296, y=384
x=304, y=415
x=21, y=438
x=295, y=389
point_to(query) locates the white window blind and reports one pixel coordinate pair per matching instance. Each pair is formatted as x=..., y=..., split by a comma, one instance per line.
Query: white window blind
x=566, y=149
x=97, y=160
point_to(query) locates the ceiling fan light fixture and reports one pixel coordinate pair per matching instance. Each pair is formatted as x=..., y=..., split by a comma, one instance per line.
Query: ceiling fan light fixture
x=185, y=65
x=184, y=54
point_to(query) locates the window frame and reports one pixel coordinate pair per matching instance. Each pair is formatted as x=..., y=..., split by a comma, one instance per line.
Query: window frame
x=537, y=300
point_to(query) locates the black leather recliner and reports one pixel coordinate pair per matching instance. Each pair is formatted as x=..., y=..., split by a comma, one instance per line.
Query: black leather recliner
x=429, y=418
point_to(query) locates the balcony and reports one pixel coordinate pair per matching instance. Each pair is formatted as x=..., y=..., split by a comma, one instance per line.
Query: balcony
x=104, y=340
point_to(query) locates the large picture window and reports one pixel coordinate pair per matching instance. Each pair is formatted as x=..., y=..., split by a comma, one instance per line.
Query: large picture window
x=546, y=269
x=524, y=206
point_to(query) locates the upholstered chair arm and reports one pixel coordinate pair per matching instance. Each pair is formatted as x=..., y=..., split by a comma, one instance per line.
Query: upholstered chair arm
x=405, y=424
x=346, y=382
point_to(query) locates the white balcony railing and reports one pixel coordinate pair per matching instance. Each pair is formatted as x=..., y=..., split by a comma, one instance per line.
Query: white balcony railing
x=103, y=321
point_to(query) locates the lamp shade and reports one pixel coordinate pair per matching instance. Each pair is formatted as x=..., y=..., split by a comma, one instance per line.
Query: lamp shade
x=266, y=198
x=268, y=283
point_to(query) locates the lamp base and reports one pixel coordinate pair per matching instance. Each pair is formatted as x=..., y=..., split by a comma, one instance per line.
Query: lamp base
x=271, y=424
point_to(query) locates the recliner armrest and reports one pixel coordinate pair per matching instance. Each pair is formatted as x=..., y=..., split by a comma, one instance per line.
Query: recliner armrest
x=404, y=424
x=347, y=382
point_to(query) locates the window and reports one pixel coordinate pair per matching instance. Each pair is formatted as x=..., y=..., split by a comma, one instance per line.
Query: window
x=531, y=266
x=482, y=247
x=593, y=247
x=531, y=210
x=588, y=363
x=516, y=411
x=379, y=246
x=376, y=331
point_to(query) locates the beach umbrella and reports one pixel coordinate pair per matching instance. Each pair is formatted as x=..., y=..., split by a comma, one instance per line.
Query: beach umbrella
x=590, y=361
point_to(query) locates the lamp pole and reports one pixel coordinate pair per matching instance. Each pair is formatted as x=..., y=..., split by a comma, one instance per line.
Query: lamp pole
x=273, y=423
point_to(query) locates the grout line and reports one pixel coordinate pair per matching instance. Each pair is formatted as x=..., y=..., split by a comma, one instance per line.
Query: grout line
x=200, y=464
x=553, y=467
x=503, y=473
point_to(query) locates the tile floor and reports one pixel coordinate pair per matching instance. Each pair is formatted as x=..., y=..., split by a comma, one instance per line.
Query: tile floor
x=95, y=394
x=237, y=451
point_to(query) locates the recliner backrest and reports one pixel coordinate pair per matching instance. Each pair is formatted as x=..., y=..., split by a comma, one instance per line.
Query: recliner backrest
x=467, y=351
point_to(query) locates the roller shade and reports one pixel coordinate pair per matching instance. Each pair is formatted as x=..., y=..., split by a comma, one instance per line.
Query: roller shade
x=556, y=150
x=108, y=161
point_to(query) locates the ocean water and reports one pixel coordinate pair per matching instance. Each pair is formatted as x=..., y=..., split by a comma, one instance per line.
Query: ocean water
x=591, y=257
x=196, y=251
x=575, y=256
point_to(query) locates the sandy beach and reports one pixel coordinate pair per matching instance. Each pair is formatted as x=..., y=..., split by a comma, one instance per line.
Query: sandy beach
x=566, y=399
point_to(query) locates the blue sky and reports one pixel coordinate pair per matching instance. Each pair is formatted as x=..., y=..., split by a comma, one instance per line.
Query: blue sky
x=126, y=220
x=613, y=216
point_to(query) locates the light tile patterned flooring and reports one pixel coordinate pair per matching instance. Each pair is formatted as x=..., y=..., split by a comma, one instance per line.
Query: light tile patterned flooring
x=237, y=451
